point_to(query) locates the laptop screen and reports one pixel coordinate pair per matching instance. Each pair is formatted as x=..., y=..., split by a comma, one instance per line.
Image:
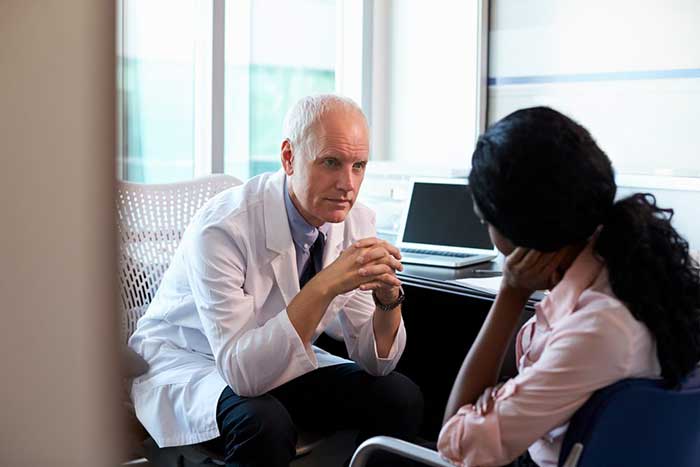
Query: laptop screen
x=443, y=214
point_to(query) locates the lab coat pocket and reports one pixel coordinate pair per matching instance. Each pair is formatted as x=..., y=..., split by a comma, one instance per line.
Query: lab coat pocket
x=149, y=381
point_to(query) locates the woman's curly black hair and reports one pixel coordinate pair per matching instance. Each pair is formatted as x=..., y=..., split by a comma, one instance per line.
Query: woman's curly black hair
x=539, y=164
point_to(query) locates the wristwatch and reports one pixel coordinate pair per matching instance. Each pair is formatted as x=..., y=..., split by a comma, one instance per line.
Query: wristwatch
x=389, y=306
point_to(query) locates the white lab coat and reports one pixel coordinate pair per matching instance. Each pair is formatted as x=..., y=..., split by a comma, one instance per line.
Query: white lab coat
x=219, y=317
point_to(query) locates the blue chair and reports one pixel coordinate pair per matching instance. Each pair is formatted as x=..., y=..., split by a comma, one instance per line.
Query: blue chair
x=637, y=422
x=634, y=422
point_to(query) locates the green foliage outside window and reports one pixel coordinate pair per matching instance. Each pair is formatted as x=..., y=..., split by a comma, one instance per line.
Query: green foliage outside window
x=273, y=90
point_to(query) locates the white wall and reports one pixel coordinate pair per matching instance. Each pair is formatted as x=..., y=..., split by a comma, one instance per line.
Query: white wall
x=276, y=21
x=425, y=82
x=57, y=242
x=424, y=98
x=628, y=70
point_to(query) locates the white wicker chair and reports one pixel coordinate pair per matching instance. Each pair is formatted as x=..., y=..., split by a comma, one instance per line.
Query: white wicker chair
x=151, y=220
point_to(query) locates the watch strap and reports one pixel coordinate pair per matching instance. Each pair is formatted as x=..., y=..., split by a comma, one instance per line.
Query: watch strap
x=389, y=306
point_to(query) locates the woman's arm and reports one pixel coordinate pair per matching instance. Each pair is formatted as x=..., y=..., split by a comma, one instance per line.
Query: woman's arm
x=482, y=365
x=524, y=271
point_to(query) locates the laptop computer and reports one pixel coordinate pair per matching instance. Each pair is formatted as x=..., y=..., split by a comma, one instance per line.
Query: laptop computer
x=440, y=228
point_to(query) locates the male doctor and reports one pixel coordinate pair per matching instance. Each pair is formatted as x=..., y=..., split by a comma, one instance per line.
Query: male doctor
x=263, y=269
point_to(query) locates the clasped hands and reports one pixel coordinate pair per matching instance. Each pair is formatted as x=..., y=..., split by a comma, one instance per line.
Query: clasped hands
x=368, y=264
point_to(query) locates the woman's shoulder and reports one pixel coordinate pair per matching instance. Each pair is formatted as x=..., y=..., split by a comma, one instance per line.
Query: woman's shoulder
x=599, y=301
x=599, y=311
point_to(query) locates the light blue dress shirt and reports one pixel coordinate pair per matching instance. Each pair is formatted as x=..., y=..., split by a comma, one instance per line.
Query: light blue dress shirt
x=303, y=234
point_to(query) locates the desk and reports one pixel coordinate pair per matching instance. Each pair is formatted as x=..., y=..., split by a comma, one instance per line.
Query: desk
x=438, y=279
x=442, y=320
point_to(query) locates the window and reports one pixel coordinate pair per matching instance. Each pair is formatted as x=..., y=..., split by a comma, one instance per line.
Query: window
x=628, y=70
x=276, y=52
x=272, y=53
x=160, y=82
x=427, y=98
x=207, y=89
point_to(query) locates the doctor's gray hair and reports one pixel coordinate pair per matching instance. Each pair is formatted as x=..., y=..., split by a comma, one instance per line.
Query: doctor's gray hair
x=301, y=118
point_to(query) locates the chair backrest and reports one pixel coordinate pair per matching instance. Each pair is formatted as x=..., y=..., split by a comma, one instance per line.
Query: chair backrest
x=151, y=219
x=637, y=422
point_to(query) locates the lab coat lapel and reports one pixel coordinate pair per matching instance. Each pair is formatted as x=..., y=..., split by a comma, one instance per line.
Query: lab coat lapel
x=278, y=238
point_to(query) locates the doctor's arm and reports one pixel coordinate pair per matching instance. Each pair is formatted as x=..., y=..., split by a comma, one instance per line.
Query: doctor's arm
x=385, y=323
x=386, y=326
x=375, y=338
x=251, y=358
x=357, y=266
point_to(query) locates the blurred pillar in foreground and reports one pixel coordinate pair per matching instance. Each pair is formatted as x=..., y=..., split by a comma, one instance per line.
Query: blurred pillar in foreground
x=58, y=319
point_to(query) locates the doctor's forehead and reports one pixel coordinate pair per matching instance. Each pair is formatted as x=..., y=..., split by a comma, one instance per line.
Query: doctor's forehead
x=341, y=121
x=344, y=136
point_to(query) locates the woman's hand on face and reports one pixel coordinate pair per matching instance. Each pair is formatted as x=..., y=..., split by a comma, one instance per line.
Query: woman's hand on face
x=528, y=270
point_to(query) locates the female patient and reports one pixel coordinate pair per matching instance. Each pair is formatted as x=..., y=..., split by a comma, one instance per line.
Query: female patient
x=624, y=300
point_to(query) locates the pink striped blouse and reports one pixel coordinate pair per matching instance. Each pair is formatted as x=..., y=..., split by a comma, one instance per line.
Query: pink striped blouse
x=580, y=339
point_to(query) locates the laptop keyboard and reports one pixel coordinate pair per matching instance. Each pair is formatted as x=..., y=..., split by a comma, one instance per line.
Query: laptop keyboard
x=437, y=253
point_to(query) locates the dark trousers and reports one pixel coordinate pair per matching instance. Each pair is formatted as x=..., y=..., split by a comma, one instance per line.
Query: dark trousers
x=262, y=431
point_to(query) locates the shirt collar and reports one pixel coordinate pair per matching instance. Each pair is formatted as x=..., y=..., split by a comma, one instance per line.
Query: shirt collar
x=562, y=300
x=303, y=234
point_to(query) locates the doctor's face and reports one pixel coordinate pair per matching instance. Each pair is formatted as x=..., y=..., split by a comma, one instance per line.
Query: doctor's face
x=324, y=183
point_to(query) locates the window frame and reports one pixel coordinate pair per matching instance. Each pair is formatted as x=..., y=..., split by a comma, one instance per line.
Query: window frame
x=357, y=54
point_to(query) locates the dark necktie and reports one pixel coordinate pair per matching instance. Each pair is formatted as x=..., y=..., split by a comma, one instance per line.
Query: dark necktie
x=315, y=262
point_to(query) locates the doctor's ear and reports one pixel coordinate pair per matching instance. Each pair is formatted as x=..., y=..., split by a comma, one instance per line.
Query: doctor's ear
x=287, y=156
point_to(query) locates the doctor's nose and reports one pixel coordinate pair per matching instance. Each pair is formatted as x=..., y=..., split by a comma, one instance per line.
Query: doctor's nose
x=346, y=180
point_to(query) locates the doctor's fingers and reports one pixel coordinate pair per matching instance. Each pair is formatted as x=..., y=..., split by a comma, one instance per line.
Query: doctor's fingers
x=381, y=258
x=370, y=244
x=375, y=269
x=376, y=252
x=367, y=242
x=380, y=281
